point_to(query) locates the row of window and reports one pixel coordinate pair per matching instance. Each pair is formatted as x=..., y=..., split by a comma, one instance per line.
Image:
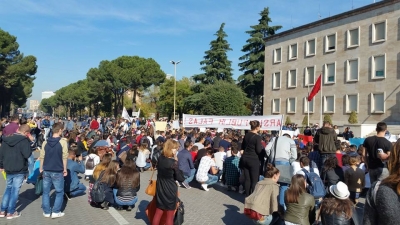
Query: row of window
x=351, y=100
x=378, y=71
x=353, y=40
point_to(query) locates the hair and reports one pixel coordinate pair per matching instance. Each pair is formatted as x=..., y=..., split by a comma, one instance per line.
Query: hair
x=14, y=118
x=353, y=161
x=297, y=187
x=338, y=206
x=254, y=124
x=73, y=146
x=187, y=144
x=206, y=142
x=110, y=174
x=71, y=152
x=330, y=163
x=304, y=160
x=326, y=123
x=194, y=148
x=102, y=165
x=57, y=127
x=209, y=151
x=168, y=146
x=270, y=171
x=381, y=127
x=345, y=160
x=128, y=177
x=24, y=128
x=143, y=146
x=393, y=180
x=338, y=145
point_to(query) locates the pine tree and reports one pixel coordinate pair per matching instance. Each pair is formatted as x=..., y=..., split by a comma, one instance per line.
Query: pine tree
x=216, y=65
x=252, y=79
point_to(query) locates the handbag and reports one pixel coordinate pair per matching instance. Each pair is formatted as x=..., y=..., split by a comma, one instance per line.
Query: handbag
x=179, y=214
x=151, y=188
x=39, y=185
x=252, y=214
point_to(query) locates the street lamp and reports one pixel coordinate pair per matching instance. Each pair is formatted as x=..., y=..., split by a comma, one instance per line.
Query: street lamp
x=175, y=63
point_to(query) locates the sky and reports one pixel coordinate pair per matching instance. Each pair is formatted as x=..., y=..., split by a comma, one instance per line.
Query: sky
x=69, y=37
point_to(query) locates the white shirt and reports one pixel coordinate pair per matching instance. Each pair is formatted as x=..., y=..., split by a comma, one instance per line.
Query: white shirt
x=199, y=145
x=141, y=159
x=205, y=165
x=295, y=167
x=96, y=160
x=150, y=140
x=219, y=159
x=308, y=169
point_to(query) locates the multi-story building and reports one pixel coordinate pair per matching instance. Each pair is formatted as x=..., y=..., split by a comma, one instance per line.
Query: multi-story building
x=357, y=53
x=47, y=94
x=33, y=105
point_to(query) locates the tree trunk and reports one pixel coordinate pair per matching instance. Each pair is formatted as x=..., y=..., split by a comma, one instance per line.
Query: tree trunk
x=134, y=100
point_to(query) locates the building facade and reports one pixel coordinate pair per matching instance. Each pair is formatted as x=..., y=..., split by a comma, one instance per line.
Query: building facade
x=357, y=54
x=47, y=94
x=33, y=105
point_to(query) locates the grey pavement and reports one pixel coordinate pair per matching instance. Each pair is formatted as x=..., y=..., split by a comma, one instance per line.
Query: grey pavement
x=217, y=206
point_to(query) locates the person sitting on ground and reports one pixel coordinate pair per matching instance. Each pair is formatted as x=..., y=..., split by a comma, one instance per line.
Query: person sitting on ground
x=72, y=186
x=127, y=185
x=264, y=199
x=193, y=151
x=207, y=166
x=298, y=202
x=337, y=208
x=231, y=171
x=143, y=156
x=107, y=179
x=220, y=157
x=98, y=169
x=92, y=160
x=332, y=173
x=305, y=164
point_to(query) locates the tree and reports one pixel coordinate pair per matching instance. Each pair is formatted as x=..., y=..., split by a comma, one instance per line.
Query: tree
x=252, y=79
x=353, y=117
x=215, y=65
x=328, y=118
x=16, y=73
x=48, y=105
x=221, y=98
x=288, y=120
x=166, y=100
x=305, y=121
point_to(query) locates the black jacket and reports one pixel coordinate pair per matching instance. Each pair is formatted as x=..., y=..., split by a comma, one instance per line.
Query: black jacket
x=334, y=219
x=326, y=137
x=14, y=153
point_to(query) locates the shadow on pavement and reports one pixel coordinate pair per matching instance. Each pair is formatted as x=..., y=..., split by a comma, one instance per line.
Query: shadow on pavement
x=234, y=216
x=25, y=198
x=141, y=211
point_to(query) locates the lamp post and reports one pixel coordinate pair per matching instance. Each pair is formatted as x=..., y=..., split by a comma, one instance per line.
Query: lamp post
x=175, y=63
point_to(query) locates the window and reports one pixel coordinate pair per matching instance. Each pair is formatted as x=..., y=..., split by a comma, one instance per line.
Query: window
x=378, y=103
x=330, y=73
x=276, y=105
x=329, y=104
x=276, y=80
x=353, y=38
x=330, y=43
x=310, y=47
x=378, y=67
x=352, y=103
x=278, y=55
x=292, y=78
x=379, y=32
x=291, y=105
x=293, y=51
x=308, y=105
x=352, y=70
x=310, y=75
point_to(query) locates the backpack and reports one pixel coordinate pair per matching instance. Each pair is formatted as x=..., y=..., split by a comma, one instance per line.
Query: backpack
x=156, y=155
x=98, y=191
x=315, y=185
x=89, y=163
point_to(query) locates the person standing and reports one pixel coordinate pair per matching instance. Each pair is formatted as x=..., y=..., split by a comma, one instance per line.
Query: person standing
x=326, y=138
x=14, y=153
x=46, y=127
x=377, y=150
x=53, y=165
x=69, y=126
x=250, y=163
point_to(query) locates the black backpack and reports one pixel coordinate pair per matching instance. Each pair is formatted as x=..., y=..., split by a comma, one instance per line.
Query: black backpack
x=98, y=191
x=156, y=155
x=89, y=163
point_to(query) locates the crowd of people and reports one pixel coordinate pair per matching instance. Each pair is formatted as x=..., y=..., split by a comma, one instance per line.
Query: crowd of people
x=285, y=180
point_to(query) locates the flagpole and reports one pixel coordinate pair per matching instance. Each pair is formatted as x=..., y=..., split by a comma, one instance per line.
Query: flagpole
x=308, y=106
x=321, y=116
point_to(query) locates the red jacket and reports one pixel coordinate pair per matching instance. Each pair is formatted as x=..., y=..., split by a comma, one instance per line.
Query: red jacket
x=94, y=125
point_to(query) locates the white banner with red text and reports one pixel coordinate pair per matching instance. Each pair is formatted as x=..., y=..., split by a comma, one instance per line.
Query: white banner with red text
x=272, y=122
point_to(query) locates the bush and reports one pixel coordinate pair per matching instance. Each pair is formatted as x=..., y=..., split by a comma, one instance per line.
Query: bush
x=353, y=117
x=288, y=121
x=327, y=118
x=305, y=121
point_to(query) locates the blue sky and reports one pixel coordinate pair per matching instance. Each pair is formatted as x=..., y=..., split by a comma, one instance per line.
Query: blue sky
x=69, y=37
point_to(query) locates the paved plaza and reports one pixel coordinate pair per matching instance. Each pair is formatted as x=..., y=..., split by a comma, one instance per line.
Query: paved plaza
x=217, y=206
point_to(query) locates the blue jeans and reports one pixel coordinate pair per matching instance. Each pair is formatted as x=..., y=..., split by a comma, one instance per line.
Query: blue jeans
x=49, y=179
x=122, y=203
x=212, y=179
x=31, y=164
x=10, y=197
x=282, y=186
x=78, y=191
x=189, y=179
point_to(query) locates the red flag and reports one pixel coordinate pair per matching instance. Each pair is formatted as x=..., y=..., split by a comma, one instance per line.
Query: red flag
x=316, y=89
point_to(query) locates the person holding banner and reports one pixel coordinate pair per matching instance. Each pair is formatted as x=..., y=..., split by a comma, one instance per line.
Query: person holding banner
x=249, y=162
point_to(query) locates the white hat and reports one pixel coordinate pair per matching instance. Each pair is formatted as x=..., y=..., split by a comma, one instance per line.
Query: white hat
x=340, y=190
x=138, y=132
